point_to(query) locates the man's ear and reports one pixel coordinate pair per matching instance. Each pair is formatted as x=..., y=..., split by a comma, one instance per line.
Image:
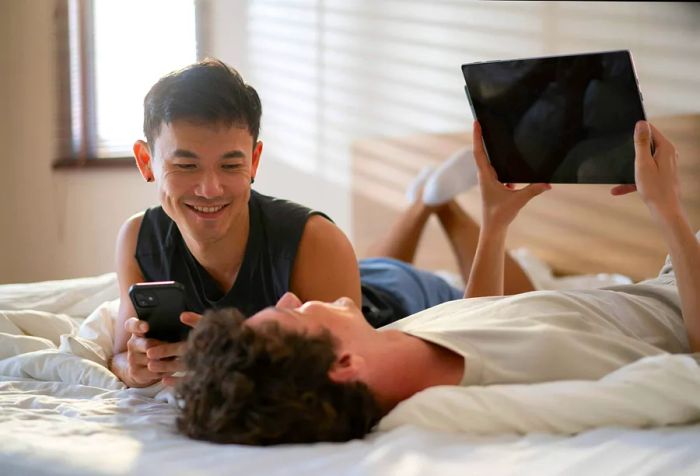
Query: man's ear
x=142, y=154
x=257, y=152
x=346, y=368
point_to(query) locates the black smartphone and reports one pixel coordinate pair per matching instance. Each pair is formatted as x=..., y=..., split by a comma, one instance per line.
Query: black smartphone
x=558, y=119
x=160, y=304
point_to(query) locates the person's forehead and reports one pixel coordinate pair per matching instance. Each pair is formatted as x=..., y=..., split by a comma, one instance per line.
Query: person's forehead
x=203, y=132
x=215, y=125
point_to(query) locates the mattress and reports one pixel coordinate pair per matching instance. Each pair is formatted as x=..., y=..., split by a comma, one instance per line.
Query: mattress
x=63, y=412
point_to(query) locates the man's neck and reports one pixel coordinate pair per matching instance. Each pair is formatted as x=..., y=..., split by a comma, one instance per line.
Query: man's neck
x=223, y=258
x=405, y=365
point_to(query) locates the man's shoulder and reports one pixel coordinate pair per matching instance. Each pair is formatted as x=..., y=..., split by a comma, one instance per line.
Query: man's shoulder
x=131, y=226
x=156, y=215
x=282, y=212
x=157, y=220
x=153, y=230
x=149, y=215
x=281, y=224
x=268, y=202
x=126, y=243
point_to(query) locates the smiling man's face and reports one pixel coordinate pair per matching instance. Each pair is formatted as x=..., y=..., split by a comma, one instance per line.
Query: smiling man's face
x=203, y=173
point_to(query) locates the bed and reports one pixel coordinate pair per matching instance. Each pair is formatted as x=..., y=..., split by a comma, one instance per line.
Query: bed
x=63, y=412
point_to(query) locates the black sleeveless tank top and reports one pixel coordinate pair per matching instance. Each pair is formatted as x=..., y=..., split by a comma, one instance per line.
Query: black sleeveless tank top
x=276, y=227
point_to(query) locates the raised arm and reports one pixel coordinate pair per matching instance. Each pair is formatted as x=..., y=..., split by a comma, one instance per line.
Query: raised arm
x=656, y=178
x=500, y=204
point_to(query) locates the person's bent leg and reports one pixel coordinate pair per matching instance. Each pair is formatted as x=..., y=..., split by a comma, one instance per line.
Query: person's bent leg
x=463, y=234
x=401, y=241
x=455, y=175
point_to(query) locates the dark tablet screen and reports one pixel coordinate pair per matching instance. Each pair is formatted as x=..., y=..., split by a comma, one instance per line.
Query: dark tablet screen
x=560, y=119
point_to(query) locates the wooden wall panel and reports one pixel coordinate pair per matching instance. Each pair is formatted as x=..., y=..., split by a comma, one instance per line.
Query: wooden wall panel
x=574, y=228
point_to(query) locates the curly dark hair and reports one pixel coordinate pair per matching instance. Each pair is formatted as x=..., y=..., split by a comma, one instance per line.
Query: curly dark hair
x=208, y=92
x=267, y=386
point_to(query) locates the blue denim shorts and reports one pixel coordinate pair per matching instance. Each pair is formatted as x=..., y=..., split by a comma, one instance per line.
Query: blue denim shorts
x=414, y=288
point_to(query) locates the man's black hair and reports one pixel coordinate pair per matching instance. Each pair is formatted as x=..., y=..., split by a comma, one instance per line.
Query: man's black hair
x=208, y=92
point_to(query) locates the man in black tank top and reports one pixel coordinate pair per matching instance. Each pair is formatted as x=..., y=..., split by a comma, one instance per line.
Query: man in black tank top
x=228, y=245
x=275, y=231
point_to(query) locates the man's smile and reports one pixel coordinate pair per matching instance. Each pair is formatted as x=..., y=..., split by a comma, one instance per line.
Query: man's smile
x=210, y=211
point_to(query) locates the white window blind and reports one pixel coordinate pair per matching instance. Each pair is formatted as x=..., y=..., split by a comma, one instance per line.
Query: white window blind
x=331, y=72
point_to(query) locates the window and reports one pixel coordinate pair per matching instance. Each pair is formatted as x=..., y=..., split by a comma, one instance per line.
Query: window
x=109, y=55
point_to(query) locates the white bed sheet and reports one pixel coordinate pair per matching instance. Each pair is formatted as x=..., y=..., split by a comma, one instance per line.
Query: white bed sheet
x=60, y=427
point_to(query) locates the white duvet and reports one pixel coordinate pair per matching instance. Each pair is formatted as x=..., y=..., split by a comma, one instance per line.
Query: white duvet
x=62, y=411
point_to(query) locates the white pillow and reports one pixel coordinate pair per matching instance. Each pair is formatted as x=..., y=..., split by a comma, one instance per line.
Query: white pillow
x=654, y=391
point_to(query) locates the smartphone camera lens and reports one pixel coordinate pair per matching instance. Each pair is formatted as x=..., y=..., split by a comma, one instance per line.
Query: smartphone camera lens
x=146, y=300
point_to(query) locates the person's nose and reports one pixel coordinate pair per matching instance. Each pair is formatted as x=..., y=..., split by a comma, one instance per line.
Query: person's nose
x=343, y=301
x=289, y=300
x=210, y=185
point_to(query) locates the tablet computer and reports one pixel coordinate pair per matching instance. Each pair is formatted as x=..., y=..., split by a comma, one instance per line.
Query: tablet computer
x=558, y=119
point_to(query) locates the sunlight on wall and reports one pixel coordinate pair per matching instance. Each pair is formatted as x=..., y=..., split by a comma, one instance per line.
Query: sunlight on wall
x=332, y=72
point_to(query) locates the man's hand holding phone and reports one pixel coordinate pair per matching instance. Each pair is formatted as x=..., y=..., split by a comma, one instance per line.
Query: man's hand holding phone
x=151, y=360
x=137, y=360
x=157, y=337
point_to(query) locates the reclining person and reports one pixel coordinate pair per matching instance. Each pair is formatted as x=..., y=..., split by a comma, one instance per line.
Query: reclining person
x=318, y=372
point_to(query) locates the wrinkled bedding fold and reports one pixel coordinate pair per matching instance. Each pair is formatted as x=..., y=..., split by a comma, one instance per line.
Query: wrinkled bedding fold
x=52, y=347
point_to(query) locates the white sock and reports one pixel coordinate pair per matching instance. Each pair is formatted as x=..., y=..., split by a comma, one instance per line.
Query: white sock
x=454, y=176
x=414, y=188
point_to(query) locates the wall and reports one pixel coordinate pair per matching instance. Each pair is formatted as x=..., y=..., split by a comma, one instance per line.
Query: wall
x=60, y=224
x=55, y=224
x=226, y=33
x=335, y=72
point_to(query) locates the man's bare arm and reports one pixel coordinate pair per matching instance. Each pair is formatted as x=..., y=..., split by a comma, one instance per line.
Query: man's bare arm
x=325, y=267
x=486, y=275
x=656, y=178
x=129, y=361
x=128, y=273
x=500, y=205
x=684, y=249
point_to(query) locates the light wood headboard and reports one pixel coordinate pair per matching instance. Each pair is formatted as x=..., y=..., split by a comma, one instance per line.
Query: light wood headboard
x=574, y=228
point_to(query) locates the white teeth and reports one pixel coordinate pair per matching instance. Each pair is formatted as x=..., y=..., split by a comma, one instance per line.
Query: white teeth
x=207, y=209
